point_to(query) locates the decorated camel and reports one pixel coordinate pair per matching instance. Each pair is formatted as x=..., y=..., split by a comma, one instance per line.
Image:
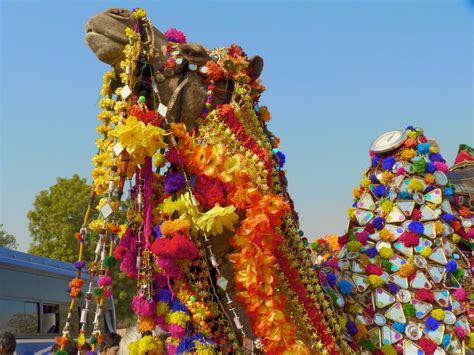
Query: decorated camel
x=211, y=237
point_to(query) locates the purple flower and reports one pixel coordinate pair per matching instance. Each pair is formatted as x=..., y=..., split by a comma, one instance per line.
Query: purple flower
x=374, y=179
x=378, y=223
x=435, y=157
x=331, y=278
x=447, y=217
x=451, y=266
x=416, y=227
x=174, y=182
x=388, y=163
x=393, y=288
x=432, y=323
x=375, y=161
x=164, y=296
x=351, y=327
x=430, y=168
x=379, y=190
x=282, y=158
x=371, y=252
x=79, y=264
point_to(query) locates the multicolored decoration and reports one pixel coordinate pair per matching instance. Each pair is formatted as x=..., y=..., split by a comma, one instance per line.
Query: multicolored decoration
x=398, y=280
x=211, y=238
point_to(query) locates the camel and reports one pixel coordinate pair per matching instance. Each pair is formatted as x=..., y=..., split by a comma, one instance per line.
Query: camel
x=105, y=35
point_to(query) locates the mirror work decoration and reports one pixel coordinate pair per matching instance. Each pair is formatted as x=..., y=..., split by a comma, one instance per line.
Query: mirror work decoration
x=400, y=283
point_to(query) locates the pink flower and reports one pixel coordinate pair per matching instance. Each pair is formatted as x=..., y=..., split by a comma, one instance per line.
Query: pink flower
x=441, y=166
x=460, y=332
x=174, y=35
x=104, y=281
x=460, y=294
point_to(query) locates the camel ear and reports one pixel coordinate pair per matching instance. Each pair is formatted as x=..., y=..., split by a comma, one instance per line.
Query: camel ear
x=256, y=67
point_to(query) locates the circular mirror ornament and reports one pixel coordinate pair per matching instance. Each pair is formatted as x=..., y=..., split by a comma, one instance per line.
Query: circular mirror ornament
x=449, y=318
x=466, y=223
x=413, y=332
x=388, y=141
x=192, y=66
x=397, y=166
x=419, y=198
x=379, y=319
x=352, y=255
x=403, y=296
x=204, y=70
x=440, y=178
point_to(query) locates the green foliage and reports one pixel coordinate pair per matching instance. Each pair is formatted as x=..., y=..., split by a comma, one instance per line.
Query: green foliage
x=56, y=216
x=7, y=240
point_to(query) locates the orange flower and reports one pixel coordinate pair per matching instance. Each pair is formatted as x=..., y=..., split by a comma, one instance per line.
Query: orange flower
x=168, y=228
x=410, y=143
x=386, y=235
x=214, y=70
x=146, y=324
x=76, y=283
x=464, y=211
x=178, y=129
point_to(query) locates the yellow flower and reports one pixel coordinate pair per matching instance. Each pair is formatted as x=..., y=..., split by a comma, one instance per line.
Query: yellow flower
x=456, y=238
x=408, y=154
x=162, y=308
x=138, y=13
x=426, y=252
x=131, y=134
x=123, y=229
x=411, y=134
x=154, y=138
x=386, y=235
x=105, y=116
x=354, y=245
x=103, y=129
x=365, y=182
x=388, y=349
x=178, y=317
x=159, y=160
x=387, y=176
x=374, y=281
x=439, y=227
x=386, y=252
x=356, y=192
x=106, y=103
x=438, y=314
x=96, y=225
x=103, y=159
x=415, y=185
x=406, y=270
x=351, y=212
x=387, y=206
x=429, y=178
x=214, y=220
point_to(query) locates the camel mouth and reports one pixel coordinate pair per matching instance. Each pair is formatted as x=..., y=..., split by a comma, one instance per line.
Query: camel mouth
x=105, y=35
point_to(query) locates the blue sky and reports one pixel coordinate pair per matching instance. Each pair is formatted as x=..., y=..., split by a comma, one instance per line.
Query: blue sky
x=338, y=74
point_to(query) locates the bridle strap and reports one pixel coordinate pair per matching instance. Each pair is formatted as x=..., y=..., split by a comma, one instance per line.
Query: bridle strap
x=177, y=94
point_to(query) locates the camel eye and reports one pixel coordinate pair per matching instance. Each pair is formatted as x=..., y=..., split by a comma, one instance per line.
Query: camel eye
x=189, y=52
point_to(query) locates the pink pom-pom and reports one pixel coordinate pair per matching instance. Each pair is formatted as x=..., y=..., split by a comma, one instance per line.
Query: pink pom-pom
x=174, y=35
x=460, y=294
x=104, y=281
x=170, y=349
x=333, y=263
x=460, y=331
x=177, y=331
x=401, y=171
x=363, y=237
x=161, y=322
x=142, y=306
x=108, y=293
x=441, y=166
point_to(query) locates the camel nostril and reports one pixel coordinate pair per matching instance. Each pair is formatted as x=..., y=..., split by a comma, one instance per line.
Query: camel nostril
x=119, y=12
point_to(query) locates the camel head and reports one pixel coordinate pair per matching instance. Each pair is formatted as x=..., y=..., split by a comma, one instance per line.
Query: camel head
x=105, y=35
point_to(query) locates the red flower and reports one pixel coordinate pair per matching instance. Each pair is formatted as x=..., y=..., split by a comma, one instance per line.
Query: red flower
x=416, y=215
x=428, y=346
x=425, y=295
x=374, y=269
x=215, y=72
